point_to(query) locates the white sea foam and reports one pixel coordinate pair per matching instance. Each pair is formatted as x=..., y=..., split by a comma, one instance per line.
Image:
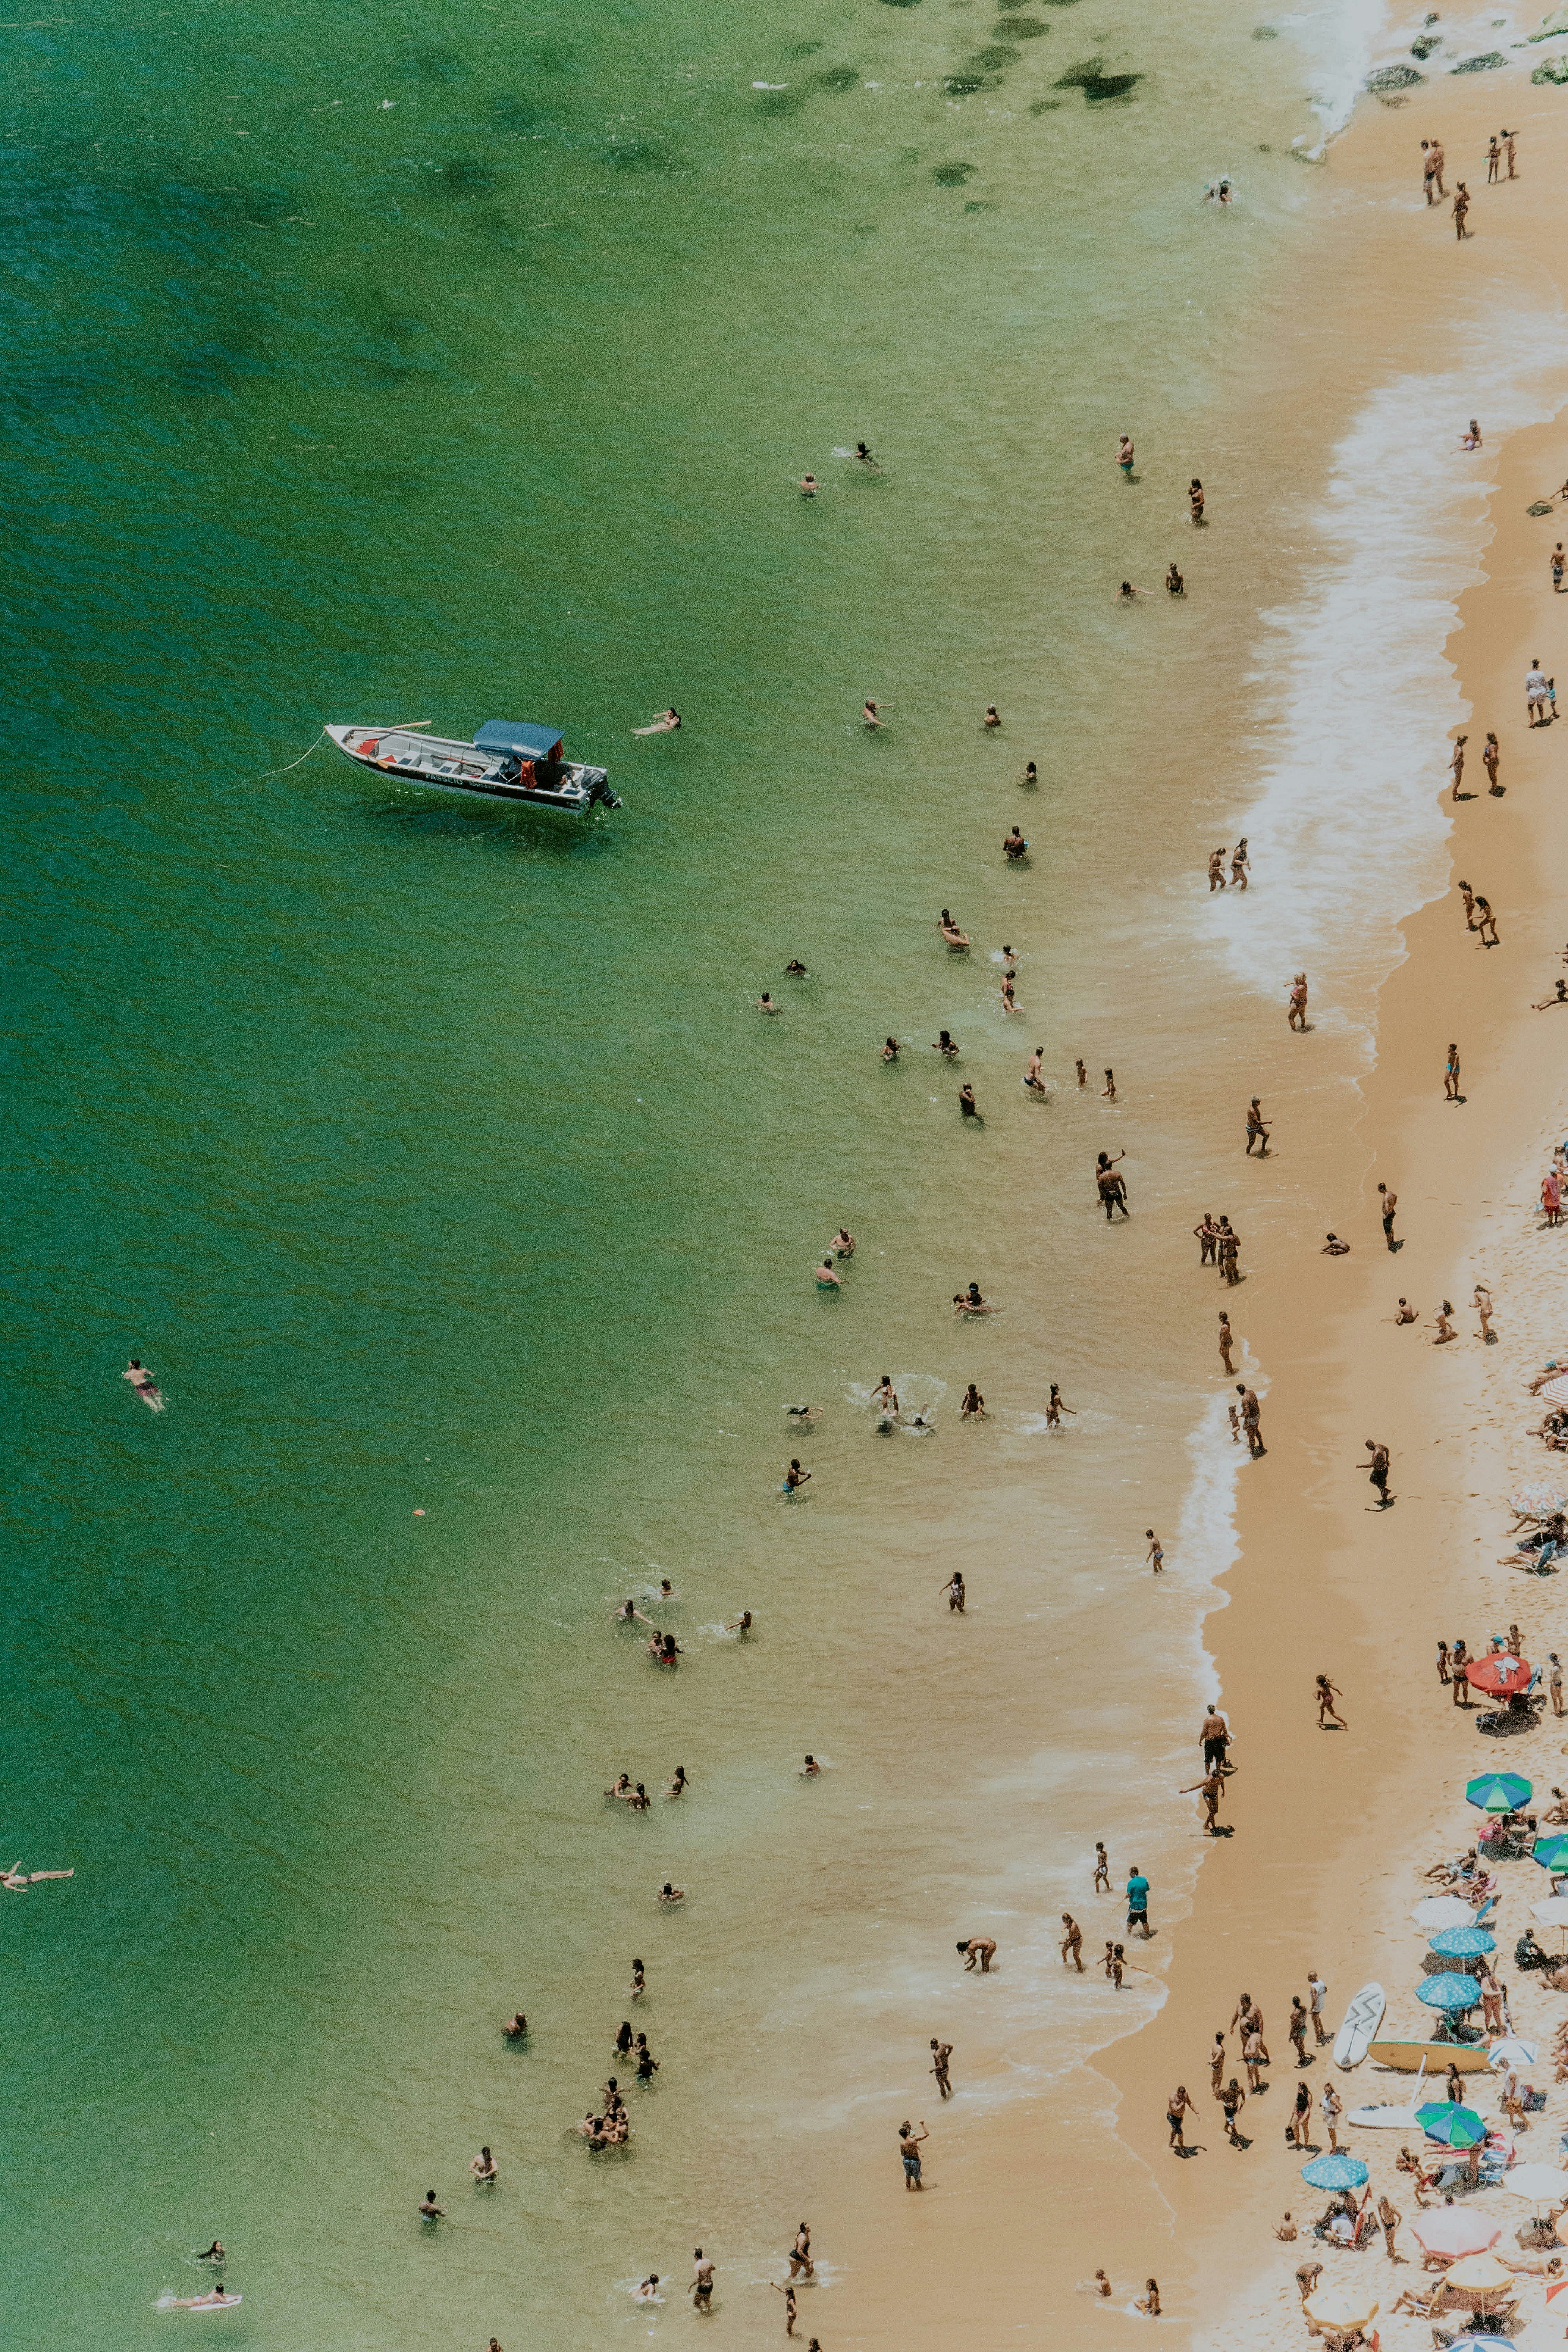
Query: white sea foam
x=1349, y=824
x=1339, y=41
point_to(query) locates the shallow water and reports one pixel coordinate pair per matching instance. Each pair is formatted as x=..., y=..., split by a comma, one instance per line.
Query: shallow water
x=441, y=1166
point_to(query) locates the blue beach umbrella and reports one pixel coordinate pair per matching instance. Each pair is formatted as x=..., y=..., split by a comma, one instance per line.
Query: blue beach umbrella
x=1463, y=1943
x=1448, y=1992
x=1493, y=1790
x=1456, y=2127
x=1550, y=1853
x=1335, y=2172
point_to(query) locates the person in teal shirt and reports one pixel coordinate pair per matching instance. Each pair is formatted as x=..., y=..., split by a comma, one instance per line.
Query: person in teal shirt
x=1138, y=1902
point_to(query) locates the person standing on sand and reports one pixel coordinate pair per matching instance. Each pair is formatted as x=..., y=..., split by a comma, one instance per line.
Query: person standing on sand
x=1232, y=2100
x=1491, y=759
x=1461, y=206
x=1390, y=1204
x=1494, y=157
x=1451, y=1075
x=1389, y=2218
x=1535, y=693
x=1258, y=1128
x=1333, y=2108
x=1297, y=1014
x=1215, y=1738
x=1508, y=140
x=1438, y=159
x=1457, y=765
x=1251, y=1419
x=1226, y=1340
x=1298, y=2029
x=1325, y=1693
x=1318, y=1994
x=1209, y=1790
x=1428, y=174
x=1376, y=1468
x=1072, y=1942
x=1177, y=2106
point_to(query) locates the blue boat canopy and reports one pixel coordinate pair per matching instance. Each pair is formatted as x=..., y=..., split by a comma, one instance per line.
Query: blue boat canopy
x=519, y=735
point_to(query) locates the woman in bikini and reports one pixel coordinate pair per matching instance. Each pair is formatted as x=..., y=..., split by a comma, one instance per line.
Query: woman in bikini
x=1492, y=755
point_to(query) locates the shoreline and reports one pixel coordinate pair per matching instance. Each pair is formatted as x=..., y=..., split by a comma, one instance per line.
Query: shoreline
x=1301, y=1884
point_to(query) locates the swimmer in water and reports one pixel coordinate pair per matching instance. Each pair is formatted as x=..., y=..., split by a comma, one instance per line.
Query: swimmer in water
x=884, y=1397
x=1082, y=1073
x=973, y=1405
x=1126, y=592
x=669, y=1894
x=1174, y=583
x=1031, y=774
x=809, y=1770
x=795, y=970
x=215, y=2252
x=1009, y=1003
x=1124, y=455
x=890, y=1049
x=807, y=1413
x=740, y=1624
x=966, y=1102
x=639, y=1984
x=765, y=1003
x=1196, y=495
x=215, y=2298
x=870, y=714
x=992, y=717
x=975, y=1302
x=843, y=1241
x=429, y=2211
x=1032, y=1078
x=794, y=1479
x=145, y=1386
x=825, y=1277
x=945, y=1047
x=648, y=2291
x=951, y=933
x=1055, y=1408
x=18, y=1880
x=667, y=1590
x=665, y=724
x=864, y=454
x=956, y=1595
x=629, y=1613
x=808, y=486
x=1015, y=846
x=484, y=2166
x=516, y=2027
x=680, y=1784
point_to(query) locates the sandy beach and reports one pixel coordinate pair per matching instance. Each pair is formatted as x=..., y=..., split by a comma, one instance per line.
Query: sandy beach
x=1330, y=1832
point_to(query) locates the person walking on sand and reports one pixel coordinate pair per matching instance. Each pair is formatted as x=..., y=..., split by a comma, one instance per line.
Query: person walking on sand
x=1297, y=1014
x=1451, y=1075
x=1428, y=174
x=1457, y=763
x=1239, y=864
x=1230, y=1245
x=1215, y=1738
x=1325, y=1693
x=1376, y=1468
x=1257, y=1128
x=1508, y=139
x=1437, y=161
x=1389, y=2218
x=1535, y=713
x=1333, y=2108
x=910, y=2151
x=941, y=2053
x=1177, y=2108
x=1226, y=1340
x=1494, y=157
x=1138, y=1903
x=1209, y=1791
x=1232, y=2100
x=1491, y=760
x=1072, y=1943
x=1390, y=1204
x=1557, y=560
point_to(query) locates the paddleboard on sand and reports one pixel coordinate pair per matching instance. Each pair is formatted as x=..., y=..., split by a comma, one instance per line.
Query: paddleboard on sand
x=1439, y=2056
x=1362, y=2018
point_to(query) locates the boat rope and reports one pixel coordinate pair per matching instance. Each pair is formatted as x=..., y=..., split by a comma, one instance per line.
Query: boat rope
x=283, y=771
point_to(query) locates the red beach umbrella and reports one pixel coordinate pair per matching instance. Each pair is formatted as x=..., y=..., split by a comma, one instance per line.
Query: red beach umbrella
x=1500, y=1674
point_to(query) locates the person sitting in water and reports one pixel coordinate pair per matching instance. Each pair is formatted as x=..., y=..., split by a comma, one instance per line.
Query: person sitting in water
x=1015, y=846
x=484, y=2166
x=669, y=1894
x=825, y=1277
x=891, y=1050
x=973, y=1405
x=516, y=2026
x=1174, y=583
x=810, y=1769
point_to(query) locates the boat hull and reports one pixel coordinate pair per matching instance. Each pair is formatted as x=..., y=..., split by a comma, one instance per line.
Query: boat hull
x=480, y=782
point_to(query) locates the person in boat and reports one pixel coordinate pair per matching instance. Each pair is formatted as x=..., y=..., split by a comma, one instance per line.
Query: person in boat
x=665, y=724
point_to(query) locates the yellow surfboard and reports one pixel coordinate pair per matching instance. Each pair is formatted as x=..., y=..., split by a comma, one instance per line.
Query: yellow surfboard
x=1439, y=2056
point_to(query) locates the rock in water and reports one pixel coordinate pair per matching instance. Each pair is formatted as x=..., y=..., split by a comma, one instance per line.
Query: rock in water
x=1393, y=78
x=1480, y=65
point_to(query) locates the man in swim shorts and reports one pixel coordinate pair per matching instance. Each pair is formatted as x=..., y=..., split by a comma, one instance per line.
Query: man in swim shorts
x=910, y=2150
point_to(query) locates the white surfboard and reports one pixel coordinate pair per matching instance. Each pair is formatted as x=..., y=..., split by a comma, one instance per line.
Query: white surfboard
x=1362, y=2018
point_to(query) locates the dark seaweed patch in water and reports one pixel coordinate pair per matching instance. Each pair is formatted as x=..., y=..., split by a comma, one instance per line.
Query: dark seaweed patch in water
x=953, y=176
x=1264, y=33
x=433, y=63
x=804, y=49
x=979, y=204
x=206, y=369
x=1023, y=29
x=963, y=85
x=1095, y=82
x=1046, y=106
x=900, y=4
x=989, y=59
x=465, y=175
x=517, y=113
x=838, y=77
x=642, y=155
x=779, y=101
x=402, y=327
x=36, y=391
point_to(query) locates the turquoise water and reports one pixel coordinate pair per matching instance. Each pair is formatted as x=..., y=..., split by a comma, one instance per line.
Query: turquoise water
x=440, y=1165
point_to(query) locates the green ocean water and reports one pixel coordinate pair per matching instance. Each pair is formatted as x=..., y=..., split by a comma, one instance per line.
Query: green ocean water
x=437, y=1164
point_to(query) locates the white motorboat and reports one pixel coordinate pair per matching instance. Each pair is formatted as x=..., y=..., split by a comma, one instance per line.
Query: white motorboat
x=509, y=761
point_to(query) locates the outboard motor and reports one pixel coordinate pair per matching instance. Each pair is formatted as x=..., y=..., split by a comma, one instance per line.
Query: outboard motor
x=599, y=791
